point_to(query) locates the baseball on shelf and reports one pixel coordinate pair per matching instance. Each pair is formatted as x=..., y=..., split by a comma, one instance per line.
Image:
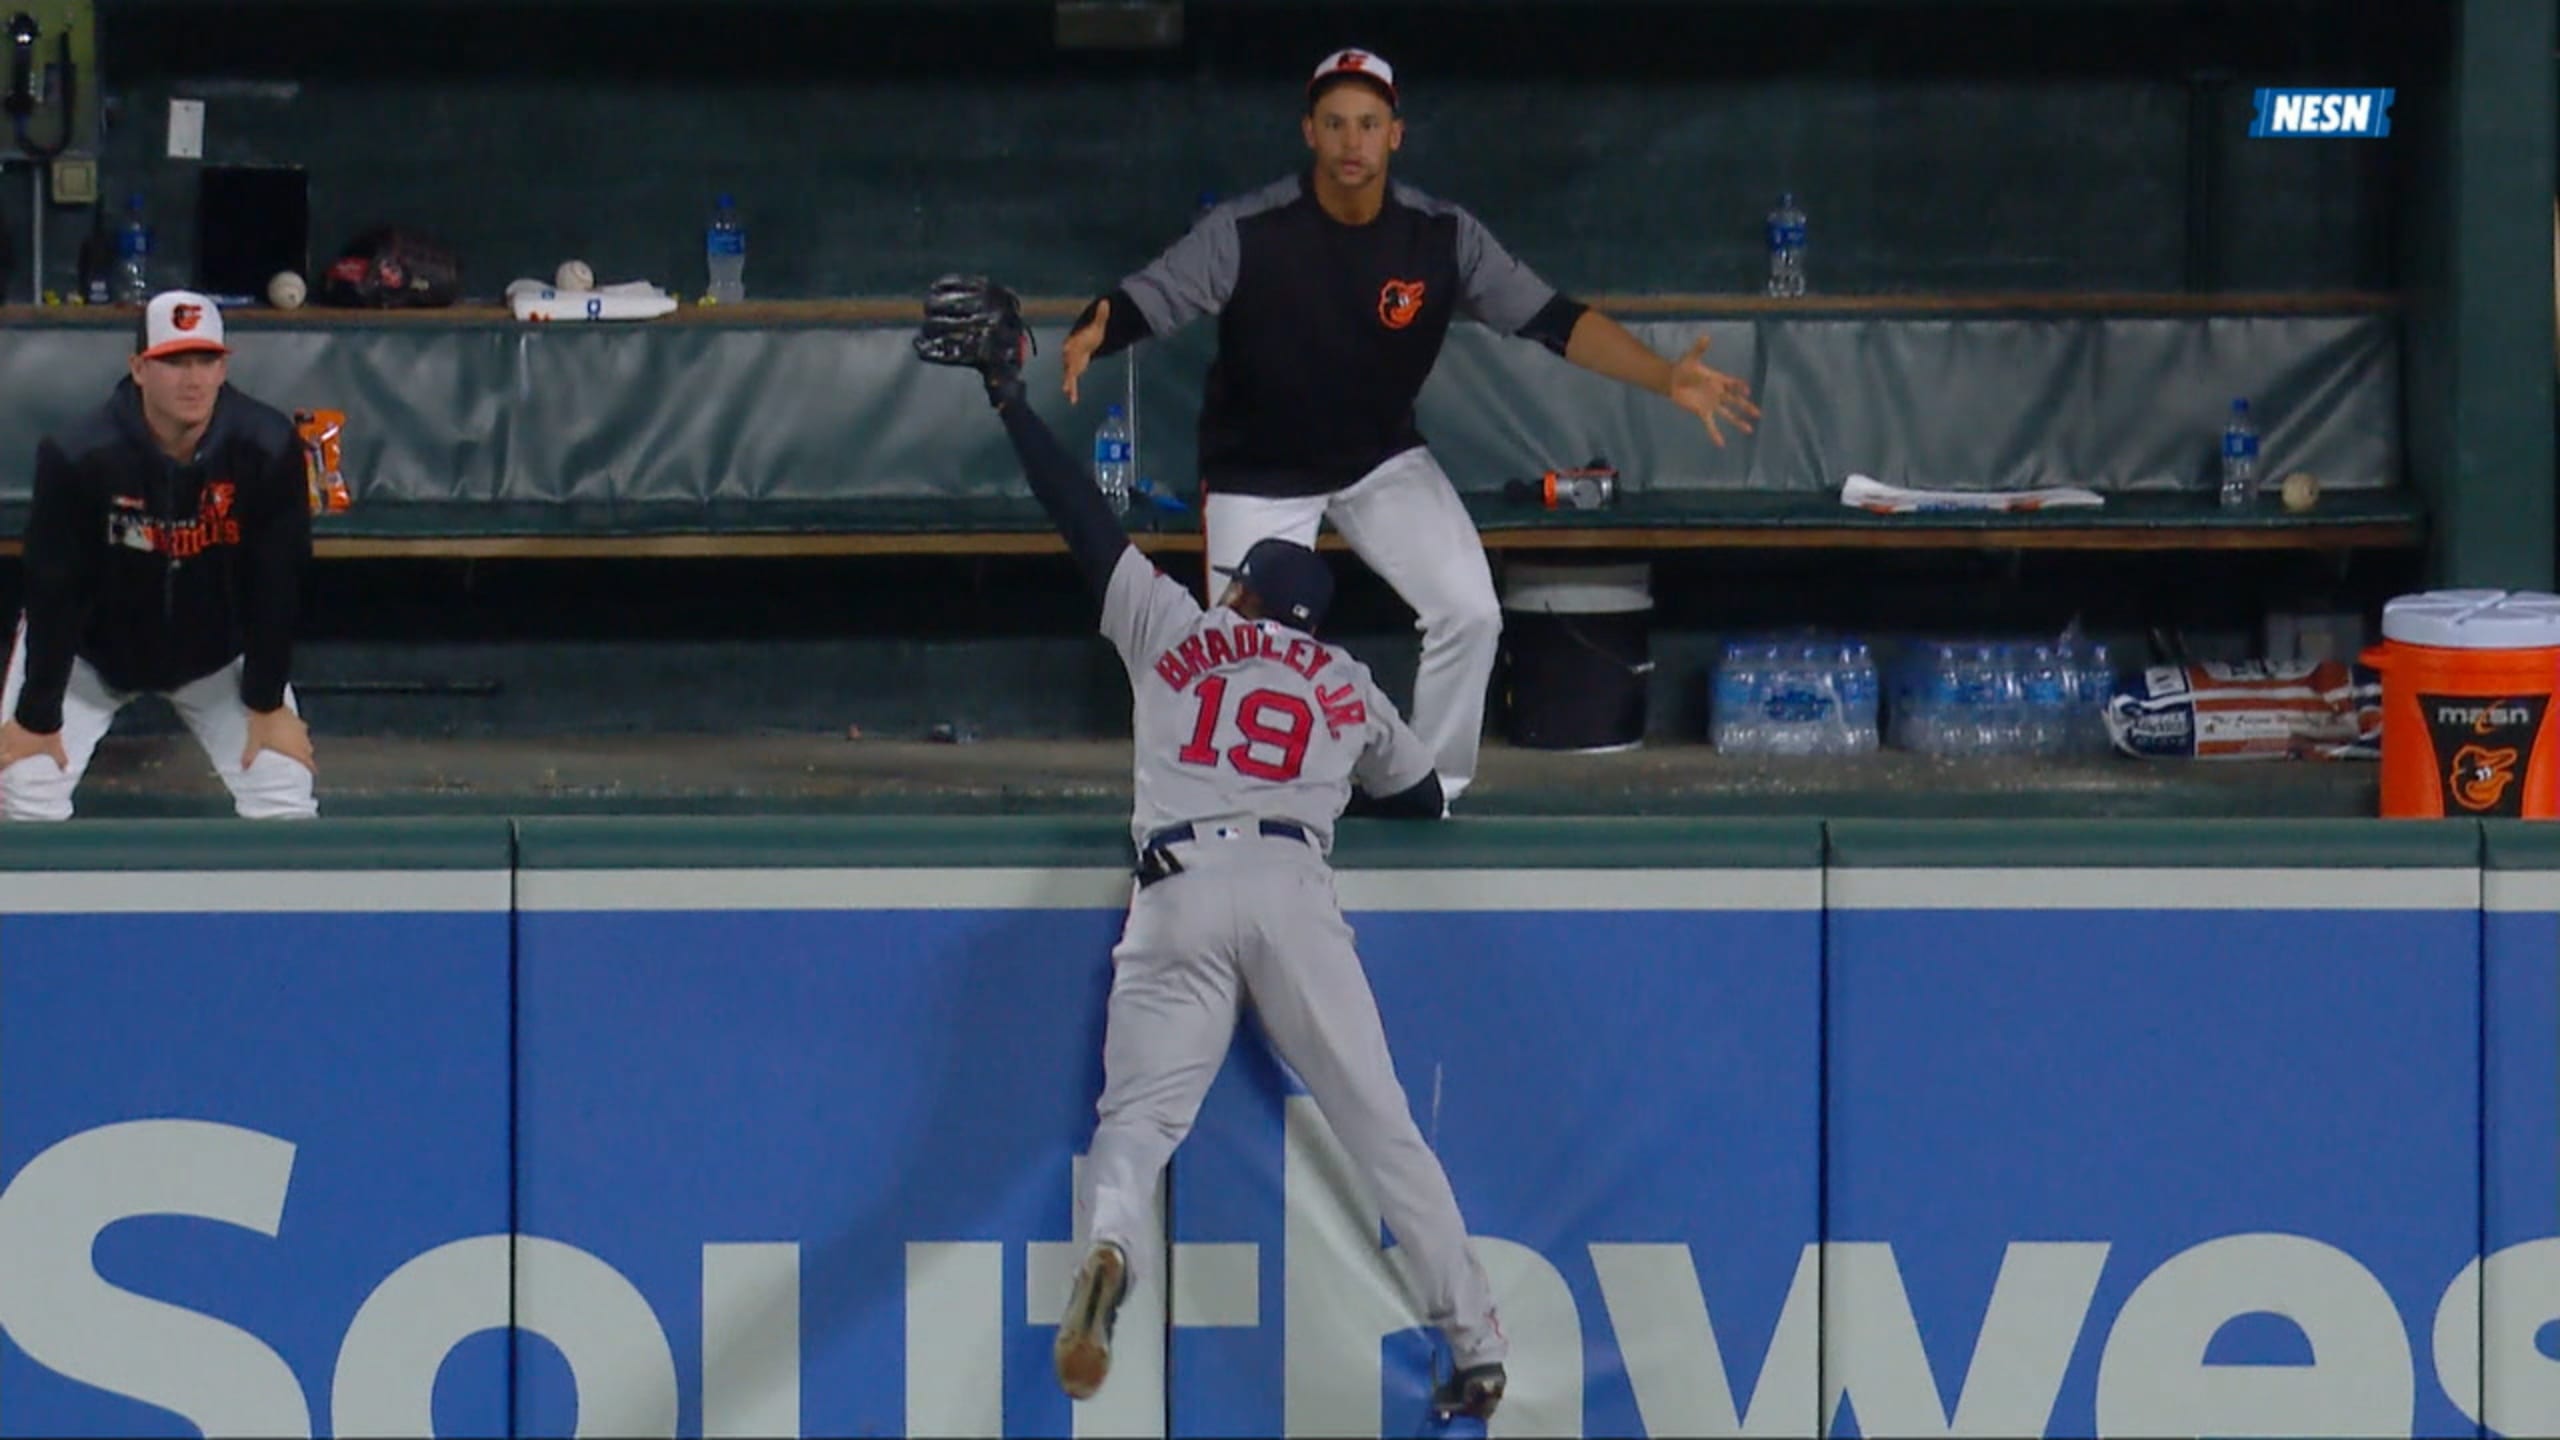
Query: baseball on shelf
x=286, y=291
x=2301, y=490
x=574, y=275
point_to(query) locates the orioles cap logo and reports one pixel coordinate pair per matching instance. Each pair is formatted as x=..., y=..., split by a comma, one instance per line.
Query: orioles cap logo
x=186, y=317
x=1399, y=302
x=2480, y=775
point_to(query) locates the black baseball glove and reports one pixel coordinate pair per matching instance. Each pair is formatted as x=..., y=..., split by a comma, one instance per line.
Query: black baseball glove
x=972, y=322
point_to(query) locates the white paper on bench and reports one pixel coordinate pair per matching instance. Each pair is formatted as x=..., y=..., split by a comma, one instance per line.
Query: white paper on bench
x=1865, y=492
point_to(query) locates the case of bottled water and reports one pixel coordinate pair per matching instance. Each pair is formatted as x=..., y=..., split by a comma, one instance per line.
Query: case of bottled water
x=1796, y=696
x=2002, y=697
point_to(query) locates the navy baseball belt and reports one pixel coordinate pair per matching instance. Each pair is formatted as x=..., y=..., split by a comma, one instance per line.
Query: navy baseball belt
x=1156, y=862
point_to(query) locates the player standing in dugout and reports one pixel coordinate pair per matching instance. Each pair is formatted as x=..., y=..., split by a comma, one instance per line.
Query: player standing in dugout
x=1333, y=291
x=164, y=554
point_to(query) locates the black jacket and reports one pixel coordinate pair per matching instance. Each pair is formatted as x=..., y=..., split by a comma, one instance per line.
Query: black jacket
x=156, y=572
x=1326, y=331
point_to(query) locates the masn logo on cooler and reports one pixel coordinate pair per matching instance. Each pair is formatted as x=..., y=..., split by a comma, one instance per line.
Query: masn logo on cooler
x=2335, y=114
x=2483, y=718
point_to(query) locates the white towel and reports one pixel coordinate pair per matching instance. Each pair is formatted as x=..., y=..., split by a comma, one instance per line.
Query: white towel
x=630, y=300
x=1865, y=492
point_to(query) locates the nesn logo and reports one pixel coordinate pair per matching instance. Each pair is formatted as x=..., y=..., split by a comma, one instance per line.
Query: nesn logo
x=2355, y=114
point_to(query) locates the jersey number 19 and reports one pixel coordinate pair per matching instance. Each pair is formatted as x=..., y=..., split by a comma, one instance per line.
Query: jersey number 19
x=1276, y=726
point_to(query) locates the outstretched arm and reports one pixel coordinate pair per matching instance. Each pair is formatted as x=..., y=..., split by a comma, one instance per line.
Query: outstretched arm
x=1141, y=609
x=1605, y=347
x=1192, y=278
x=973, y=323
x=1084, y=519
x=1509, y=297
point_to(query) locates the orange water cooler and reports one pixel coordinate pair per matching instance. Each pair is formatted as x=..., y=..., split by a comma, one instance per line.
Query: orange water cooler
x=2468, y=678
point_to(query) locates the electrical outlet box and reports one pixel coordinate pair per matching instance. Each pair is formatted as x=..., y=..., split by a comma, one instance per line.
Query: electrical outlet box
x=186, y=129
x=75, y=180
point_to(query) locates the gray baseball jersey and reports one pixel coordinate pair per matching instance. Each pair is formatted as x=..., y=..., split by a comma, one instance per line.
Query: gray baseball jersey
x=1238, y=718
x=1249, y=720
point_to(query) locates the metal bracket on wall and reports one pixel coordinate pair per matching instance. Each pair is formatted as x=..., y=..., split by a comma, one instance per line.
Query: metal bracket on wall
x=1119, y=24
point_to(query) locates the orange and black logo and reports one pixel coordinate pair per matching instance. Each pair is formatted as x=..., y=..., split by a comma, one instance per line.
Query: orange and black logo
x=2480, y=777
x=1399, y=303
x=186, y=317
x=2479, y=744
x=131, y=527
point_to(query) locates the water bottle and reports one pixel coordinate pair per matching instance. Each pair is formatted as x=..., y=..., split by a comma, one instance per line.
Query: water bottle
x=2049, y=688
x=1115, y=458
x=1737, y=699
x=2239, y=458
x=2096, y=667
x=133, y=256
x=1827, y=664
x=724, y=252
x=1976, y=724
x=1859, y=699
x=1786, y=247
x=2006, y=722
x=1934, y=722
x=1790, y=703
x=1814, y=701
x=1959, y=714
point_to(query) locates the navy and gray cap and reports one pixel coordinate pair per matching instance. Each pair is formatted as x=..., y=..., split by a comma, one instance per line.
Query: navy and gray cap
x=1293, y=583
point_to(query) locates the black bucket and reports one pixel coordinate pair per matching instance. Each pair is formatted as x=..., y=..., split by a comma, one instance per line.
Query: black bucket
x=1577, y=655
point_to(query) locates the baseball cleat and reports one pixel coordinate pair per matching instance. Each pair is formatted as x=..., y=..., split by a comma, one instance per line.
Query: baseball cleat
x=1474, y=1391
x=972, y=322
x=1084, y=1336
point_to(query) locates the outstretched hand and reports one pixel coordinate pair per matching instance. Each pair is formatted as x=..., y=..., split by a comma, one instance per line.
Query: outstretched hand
x=1078, y=351
x=1711, y=395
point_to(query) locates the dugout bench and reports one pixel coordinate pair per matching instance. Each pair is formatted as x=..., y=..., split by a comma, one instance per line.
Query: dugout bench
x=733, y=431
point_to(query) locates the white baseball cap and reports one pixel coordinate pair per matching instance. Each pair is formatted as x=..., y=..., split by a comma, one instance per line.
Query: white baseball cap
x=179, y=321
x=1367, y=65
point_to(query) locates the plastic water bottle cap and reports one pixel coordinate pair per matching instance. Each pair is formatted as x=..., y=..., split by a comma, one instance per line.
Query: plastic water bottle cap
x=1786, y=199
x=2240, y=407
x=726, y=203
x=1114, y=412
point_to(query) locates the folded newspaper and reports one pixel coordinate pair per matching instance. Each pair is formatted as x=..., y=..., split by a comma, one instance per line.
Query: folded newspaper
x=1865, y=492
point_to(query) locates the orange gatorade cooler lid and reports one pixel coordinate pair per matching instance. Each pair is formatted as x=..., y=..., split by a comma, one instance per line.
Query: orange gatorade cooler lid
x=2474, y=619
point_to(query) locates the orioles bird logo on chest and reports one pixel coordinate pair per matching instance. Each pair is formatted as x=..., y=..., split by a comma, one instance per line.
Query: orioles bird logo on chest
x=1399, y=303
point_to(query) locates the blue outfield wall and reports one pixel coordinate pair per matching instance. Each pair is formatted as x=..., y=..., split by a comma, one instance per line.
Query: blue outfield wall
x=732, y=1128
